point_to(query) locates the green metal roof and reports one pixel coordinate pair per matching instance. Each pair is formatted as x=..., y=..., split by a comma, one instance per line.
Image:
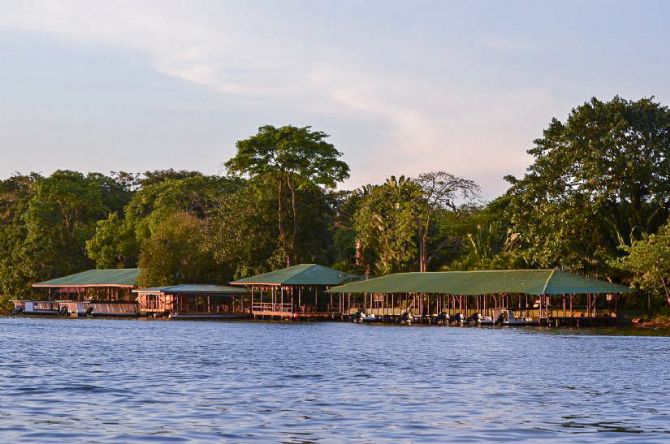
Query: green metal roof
x=194, y=289
x=302, y=274
x=117, y=277
x=536, y=282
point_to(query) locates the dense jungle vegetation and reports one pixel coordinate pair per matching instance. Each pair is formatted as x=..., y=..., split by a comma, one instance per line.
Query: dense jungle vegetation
x=595, y=200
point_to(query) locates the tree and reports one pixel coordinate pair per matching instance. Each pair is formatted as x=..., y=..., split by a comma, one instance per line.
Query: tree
x=120, y=238
x=387, y=224
x=441, y=190
x=599, y=180
x=648, y=261
x=291, y=159
x=61, y=216
x=242, y=231
x=16, y=272
x=113, y=245
x=175, y=254
x=157, y=176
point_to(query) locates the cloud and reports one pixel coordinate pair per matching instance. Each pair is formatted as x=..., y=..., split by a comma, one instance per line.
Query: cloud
x=415, y=123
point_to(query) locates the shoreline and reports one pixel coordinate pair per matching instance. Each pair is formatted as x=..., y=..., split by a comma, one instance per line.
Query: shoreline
x=635, y=327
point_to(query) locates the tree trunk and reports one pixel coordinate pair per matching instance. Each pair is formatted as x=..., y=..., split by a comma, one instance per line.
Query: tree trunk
x=294, y=208
x=666, y=290
x=423, y=253
x=280, y=218
x=423, y=247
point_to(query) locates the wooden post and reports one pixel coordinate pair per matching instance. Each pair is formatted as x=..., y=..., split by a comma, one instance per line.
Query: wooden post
x=572, y=313
x=563, y=296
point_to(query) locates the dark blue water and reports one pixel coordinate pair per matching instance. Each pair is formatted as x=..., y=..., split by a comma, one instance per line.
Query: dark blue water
x=124, y=381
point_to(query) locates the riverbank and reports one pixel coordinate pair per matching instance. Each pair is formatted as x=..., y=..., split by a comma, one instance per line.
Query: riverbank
x=662, y=322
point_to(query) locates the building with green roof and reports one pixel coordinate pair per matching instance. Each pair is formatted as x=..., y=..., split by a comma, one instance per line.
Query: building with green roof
x=541, y=293
x=194, y=301
x=472, y=283
x=106, y=284
x=100, y=292
x=114, y=277
x=296, y=292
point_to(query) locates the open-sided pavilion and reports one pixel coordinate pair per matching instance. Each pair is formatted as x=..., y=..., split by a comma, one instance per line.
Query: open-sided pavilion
x=547, y=294
x=194, y=301
x=296, y=292
x=104, y=292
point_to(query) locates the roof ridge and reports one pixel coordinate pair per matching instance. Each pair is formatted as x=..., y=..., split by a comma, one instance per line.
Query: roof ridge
x=546, y=283
x=308, y=267
x=475, y=271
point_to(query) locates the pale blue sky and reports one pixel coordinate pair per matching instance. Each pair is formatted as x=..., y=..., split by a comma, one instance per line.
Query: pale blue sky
x=402, y=87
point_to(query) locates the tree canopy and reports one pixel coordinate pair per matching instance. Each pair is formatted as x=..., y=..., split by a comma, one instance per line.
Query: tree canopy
x=289, y=159
x=599, y=180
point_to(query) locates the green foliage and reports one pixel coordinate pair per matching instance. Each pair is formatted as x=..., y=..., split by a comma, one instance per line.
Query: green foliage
x=440, y=190
x=16, y=272
x=46, y=221
x=289, y=160
x=176, y=254
x=387, y=224
x=347, y=249
x=242, y=232
x=113, y=245
x=119, y=240
x=599, y=180
x=489, y=241
x=648, y=261
x=410, y=224
x=157, y=176
x=61, y=216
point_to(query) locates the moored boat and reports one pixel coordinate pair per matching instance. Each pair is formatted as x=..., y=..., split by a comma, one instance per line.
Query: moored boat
x=43, y=308
x=506, y=317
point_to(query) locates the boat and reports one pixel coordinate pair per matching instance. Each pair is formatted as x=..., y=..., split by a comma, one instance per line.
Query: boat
x=506, y=317
x=459, y=319
x=361, y=317
x=479, y=319
x=39, y=308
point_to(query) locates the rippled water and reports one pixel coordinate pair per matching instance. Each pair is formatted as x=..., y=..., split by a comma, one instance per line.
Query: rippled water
x=121, y=381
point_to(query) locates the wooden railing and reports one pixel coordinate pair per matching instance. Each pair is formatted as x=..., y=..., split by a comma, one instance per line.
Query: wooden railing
x=270, y=307
x=151, y=305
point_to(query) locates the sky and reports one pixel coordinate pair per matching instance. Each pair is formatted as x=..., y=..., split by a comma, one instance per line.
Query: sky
x=401, y=87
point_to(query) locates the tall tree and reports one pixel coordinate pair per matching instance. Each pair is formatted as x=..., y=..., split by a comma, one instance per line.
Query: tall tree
x=16, y=272
x=61, y=215
x=599, y=180
x=387, y=225
x=441, y=191
x=292, y=159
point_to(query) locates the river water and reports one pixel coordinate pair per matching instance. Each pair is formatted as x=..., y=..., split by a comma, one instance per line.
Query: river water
x=161, y=381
